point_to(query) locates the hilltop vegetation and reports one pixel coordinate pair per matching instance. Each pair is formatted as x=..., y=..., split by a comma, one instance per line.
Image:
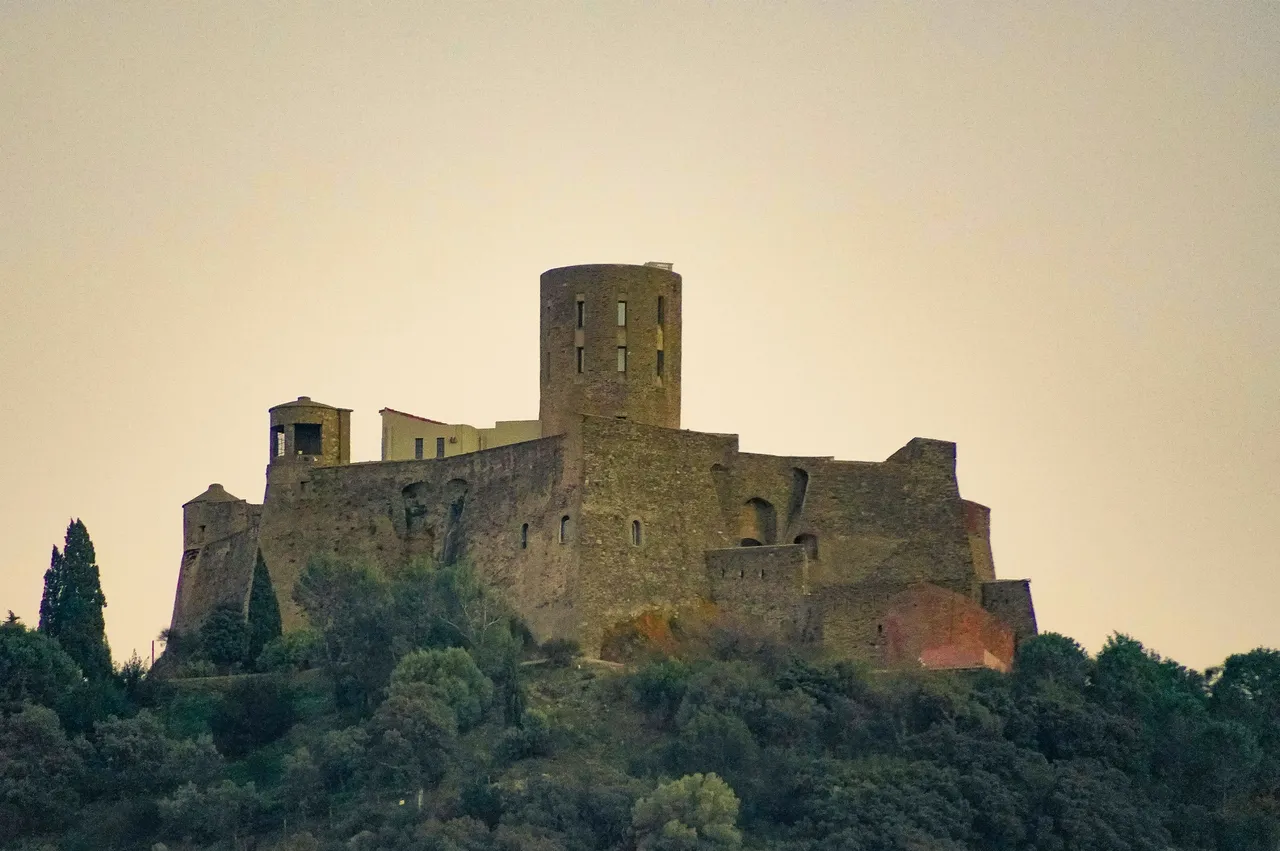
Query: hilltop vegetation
x=418, y=715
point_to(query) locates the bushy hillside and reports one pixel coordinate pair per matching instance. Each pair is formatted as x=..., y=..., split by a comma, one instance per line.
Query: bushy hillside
x=417, y=716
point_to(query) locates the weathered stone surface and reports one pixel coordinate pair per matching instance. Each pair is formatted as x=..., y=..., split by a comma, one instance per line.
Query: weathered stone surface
x=1010, y=601
x=639, y=393
x=618, y=512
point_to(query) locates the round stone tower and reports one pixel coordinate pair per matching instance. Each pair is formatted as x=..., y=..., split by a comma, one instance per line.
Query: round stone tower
x=312, y=432
x=610, y=344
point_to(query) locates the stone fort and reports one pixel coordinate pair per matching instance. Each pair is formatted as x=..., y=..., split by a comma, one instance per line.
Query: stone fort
x=603, y=510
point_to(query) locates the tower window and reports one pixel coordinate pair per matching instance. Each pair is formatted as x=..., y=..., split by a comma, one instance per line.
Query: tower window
x=306, y=439
x=579, y=360
x=277, y=441
x=564, y=529
x=582, y=313
x=200, y=537
x=622, y=358
x=524, y=537
x=661, y=363
x=439, y=447
x=622, y=314
x=417, y=448
x=637, y=533
x=662, y=310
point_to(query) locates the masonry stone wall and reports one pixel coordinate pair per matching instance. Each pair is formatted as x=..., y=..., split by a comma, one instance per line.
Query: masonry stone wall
x=766, y=586
x=1010, y=601
x=616, y=512
x=919, y=625
x=335, y=432
x=977, y=524
x=639, y=393
x=664, y=479
x=220, y=572
x=219, y=535
x=898, y=521
x=468, y=507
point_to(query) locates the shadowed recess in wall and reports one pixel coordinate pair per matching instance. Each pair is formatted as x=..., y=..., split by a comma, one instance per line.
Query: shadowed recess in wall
x=420, y=537
x=720, y=480
x=456, y=492
x=759, y=523
x=799, y=489
x=810, y=544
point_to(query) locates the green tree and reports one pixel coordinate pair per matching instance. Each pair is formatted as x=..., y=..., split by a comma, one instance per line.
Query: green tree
x=299, y=650
x=137, y=756
x=264, y=610
x=40, y=773
x=695, y=812
x=224, y=636
x=132, y=752
x=451, y=677
x=1051, y=658
x=350, y=607
x=71, y=608
x=220, y=811
x=414, y=738
x=301, y=782
x=342, y=757
x=33, y=668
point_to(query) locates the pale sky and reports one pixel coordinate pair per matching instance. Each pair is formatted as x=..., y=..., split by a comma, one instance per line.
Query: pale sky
x=1047, y=232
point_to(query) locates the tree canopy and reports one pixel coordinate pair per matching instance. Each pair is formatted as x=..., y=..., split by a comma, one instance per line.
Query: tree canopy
x=72, y=604
x=414, y=713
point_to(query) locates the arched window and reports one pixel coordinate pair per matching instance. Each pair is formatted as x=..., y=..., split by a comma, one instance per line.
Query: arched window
x=636, y=533
x=810, y=544
x=564, y=528
x=524, y=537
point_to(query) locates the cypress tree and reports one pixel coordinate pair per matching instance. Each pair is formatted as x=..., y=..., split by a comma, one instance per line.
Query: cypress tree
x=71, y=608
x=264, y=611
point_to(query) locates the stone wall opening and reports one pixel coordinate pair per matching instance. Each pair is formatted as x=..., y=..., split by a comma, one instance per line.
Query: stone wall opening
x=758, y=522
x=307, y=439
x=799, y=489
x=810, y=544
x=416, y=497
x=456, y=493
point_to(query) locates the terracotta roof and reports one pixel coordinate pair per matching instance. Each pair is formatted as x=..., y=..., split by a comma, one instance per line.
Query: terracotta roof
x=215, y=493
x=411, y=416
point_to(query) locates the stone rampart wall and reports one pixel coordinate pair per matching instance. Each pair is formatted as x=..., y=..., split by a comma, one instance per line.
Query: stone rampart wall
x=921, y=625
x=467, y=507
x=219, y=572
x=1010, y=601
x=662, y=478
x=764, y=586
